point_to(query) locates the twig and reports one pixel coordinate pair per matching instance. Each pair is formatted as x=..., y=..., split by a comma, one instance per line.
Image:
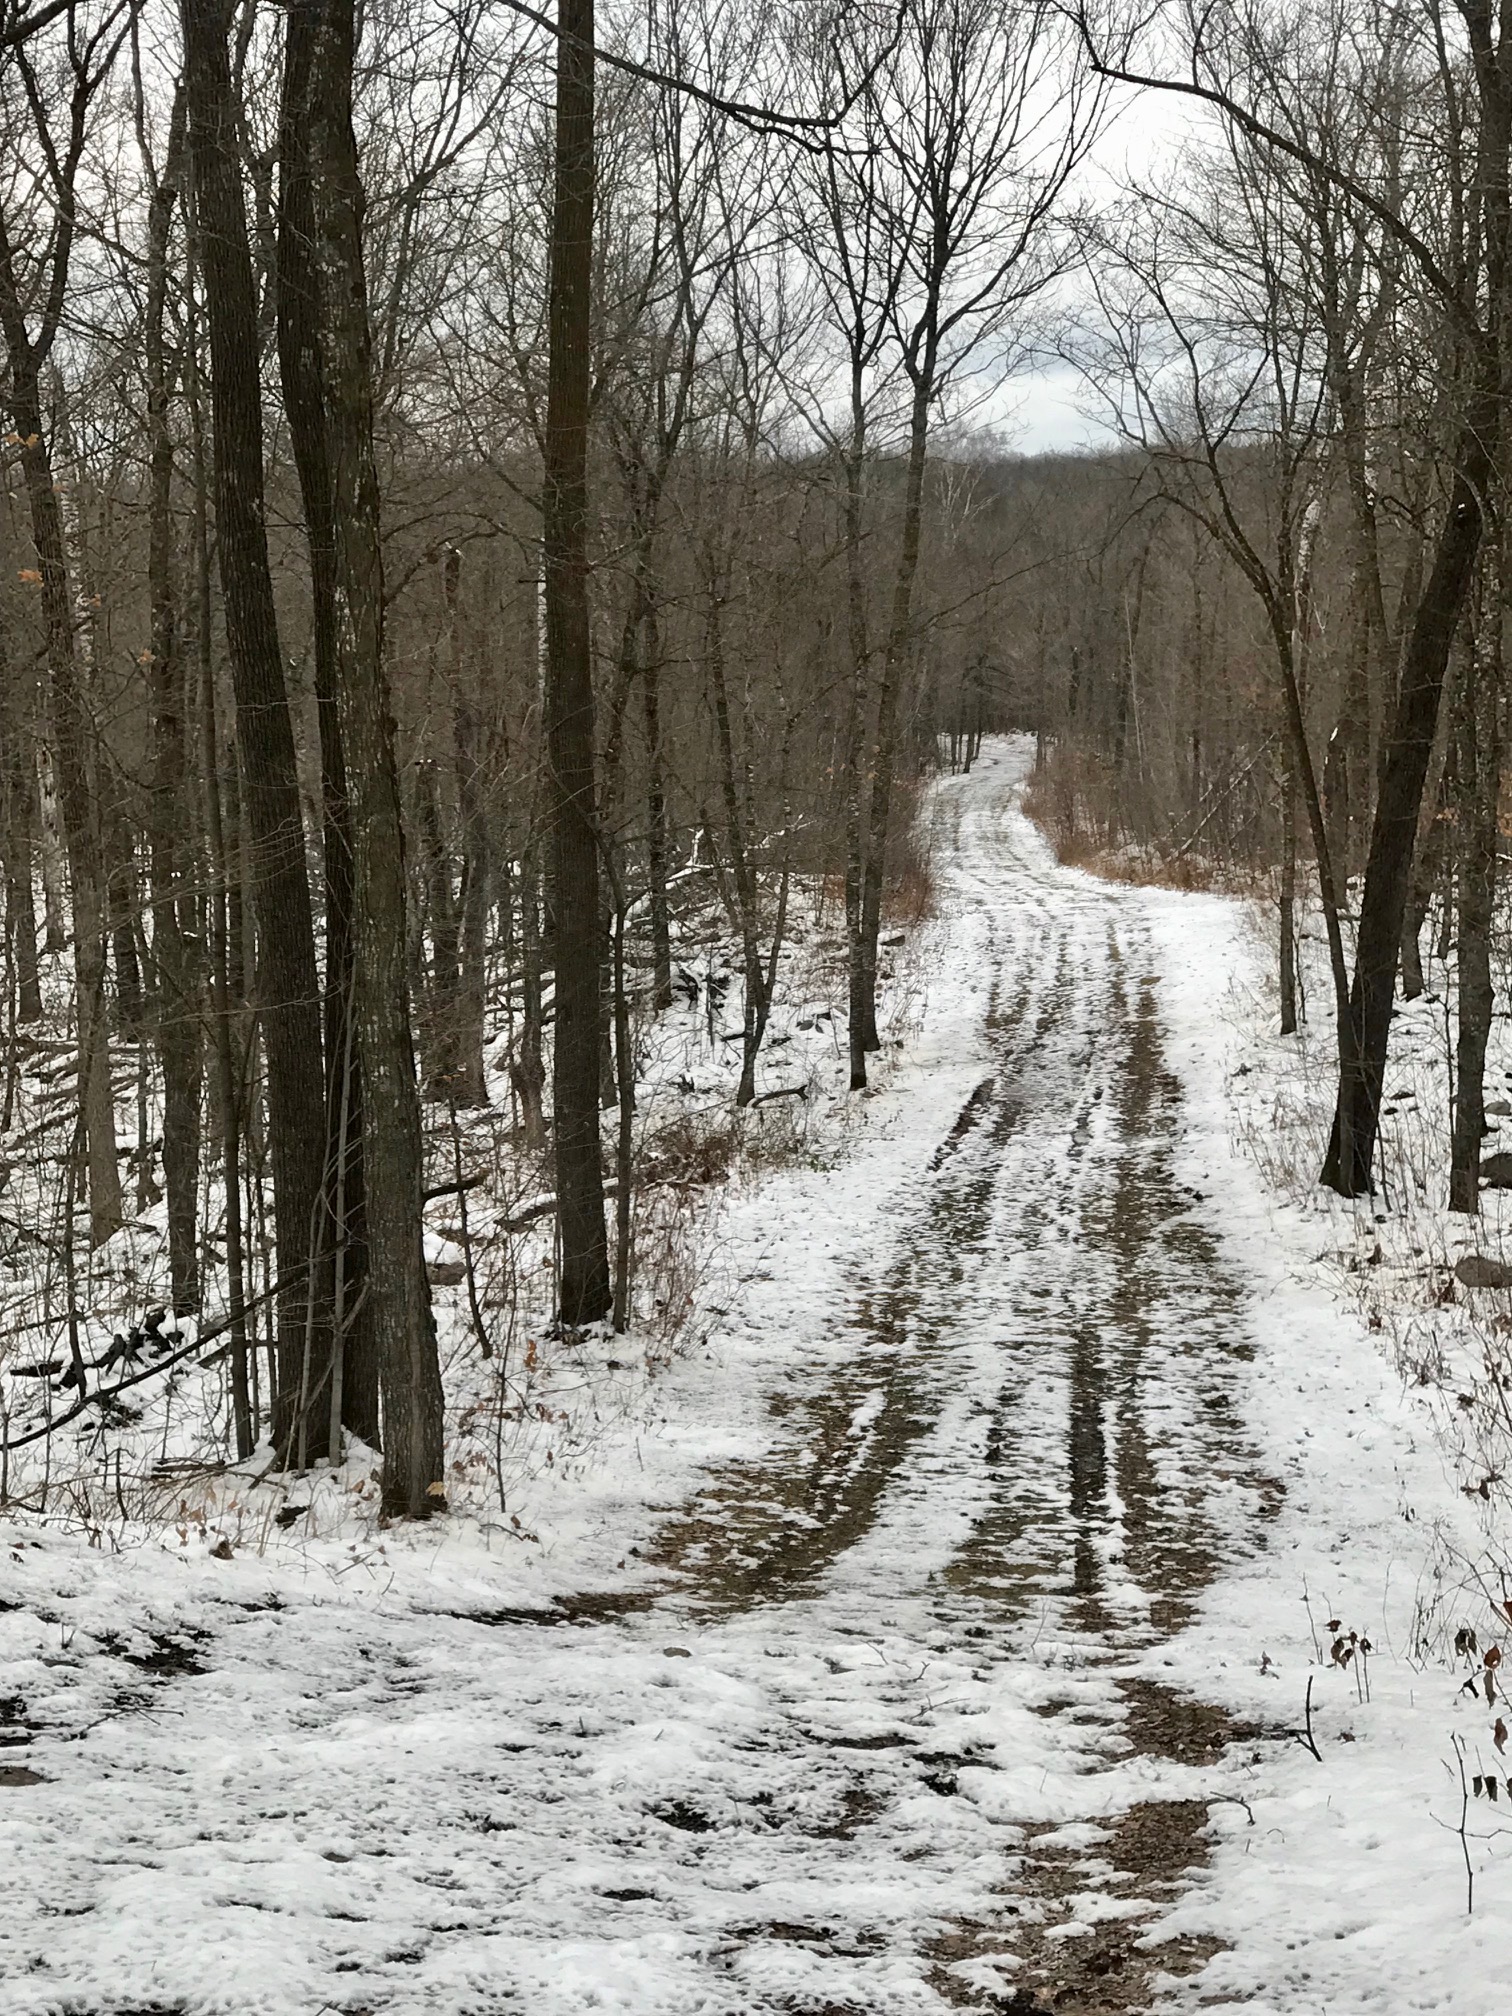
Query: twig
x=454, y=1188
x=1305, y=1736
x=1463, y=1830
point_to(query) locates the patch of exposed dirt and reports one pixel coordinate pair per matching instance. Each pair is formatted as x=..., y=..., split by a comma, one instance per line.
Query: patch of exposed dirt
x=15, y=1730
x=1159, y=1723
x=171, y=1655
x=1101, y=1969
x=763, y=1531
x=1146, y=1855
x=592, y=1606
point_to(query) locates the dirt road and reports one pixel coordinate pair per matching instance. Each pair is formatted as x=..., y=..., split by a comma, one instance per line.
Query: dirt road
x=878, y=1734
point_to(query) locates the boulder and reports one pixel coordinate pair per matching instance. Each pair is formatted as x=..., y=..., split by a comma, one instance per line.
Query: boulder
x=1496, y=1170
x=446, y=1273
x=1477, y=1270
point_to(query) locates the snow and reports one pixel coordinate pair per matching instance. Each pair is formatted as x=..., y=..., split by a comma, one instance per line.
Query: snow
x=819, y=1639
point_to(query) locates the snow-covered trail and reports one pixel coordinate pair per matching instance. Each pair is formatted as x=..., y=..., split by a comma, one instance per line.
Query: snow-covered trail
x=1037, y=1403
x=876, y=1727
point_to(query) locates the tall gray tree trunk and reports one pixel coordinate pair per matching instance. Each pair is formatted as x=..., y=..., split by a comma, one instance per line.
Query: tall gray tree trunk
x=288, y=989
x=584, y=1291
x=1478, y=744
x=403, y=1326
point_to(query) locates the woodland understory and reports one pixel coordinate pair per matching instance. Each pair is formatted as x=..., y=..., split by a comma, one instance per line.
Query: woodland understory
x=487, y=568
x=522, y=1393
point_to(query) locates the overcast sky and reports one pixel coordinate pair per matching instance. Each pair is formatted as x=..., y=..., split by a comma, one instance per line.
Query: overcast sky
x=1050, y=410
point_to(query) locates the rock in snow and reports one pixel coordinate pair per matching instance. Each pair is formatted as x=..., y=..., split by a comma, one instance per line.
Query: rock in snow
x=1476, y=1270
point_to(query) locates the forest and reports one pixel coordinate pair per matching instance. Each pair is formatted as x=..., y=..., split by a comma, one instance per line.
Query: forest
x=628, y=631
x=472, y=521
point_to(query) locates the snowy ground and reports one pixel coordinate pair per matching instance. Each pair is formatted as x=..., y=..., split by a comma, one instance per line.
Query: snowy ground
x=932, y=1634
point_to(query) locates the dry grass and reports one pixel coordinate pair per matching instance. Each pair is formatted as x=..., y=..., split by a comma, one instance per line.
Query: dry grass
x=911, y=894
x=910, y=897
x=673, y=1254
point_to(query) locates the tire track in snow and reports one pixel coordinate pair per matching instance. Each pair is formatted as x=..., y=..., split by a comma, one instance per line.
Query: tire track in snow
x=1113, y=1480
x=876, y=1743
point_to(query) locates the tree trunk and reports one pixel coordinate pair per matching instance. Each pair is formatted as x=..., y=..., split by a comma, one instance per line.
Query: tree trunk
x=20, y=845
x=51, y=847
x=79, y=802
x=894, y=665
x=1388, y=870
x=287, y=985
x=175, y=982
x=1288, y=941
x=121, y=891
x=528, y=1069
x=468, y=1087
x=445, y=937
x=321, y=52
x=1478, y=780
x=656, y=817
x=1370, y=642
x=855, y=728
x=737, y=838
x=343, y=1243
x=584, y=1292
x=225, y=1047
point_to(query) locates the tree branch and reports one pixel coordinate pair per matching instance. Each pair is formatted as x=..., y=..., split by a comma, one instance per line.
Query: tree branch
x=1269, y=136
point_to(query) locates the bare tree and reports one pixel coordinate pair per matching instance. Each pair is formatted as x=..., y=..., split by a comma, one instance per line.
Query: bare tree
x=1213, y=363
x=585, y=1292
x=38, y=235
x=288, y=989
x=967, y=128
x=321, y=49
x=1232, y=69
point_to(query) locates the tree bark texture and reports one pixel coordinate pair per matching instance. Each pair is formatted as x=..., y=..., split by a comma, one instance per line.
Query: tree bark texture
x=288, y=992
x=321, y=35
x=584, y=1289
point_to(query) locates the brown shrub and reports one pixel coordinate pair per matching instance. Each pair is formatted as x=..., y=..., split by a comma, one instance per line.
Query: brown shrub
x=1065, y=797
x=691, y=1147
x=909, y=897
